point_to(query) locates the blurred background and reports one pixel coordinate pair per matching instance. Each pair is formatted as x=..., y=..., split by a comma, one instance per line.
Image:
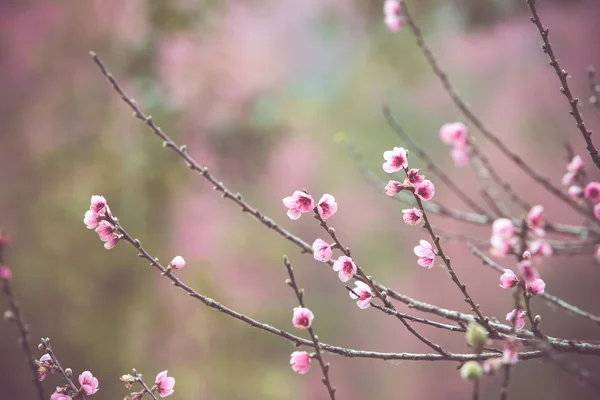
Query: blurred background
x=257, y=91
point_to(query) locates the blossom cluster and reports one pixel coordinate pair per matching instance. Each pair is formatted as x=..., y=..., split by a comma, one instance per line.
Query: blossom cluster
x=456, y=134
x=98, y=217
x=88, y=382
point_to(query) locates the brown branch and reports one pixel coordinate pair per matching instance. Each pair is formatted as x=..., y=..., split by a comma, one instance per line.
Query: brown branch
x=562, y=75
x=138, y=378
x=505, y=382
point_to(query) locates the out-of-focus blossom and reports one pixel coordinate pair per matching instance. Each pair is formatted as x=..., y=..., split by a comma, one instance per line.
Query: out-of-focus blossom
x=597, y=254
x=177, y=263
x=492, y=365
x=575, y=165
x=592, y=192
x=300, y=361
x=540, y=248
x=516, y=318
x=5, y=273
x=471, y=371
x=500, y=246
x=476, y=335
x=327, y=206
x=536, y=286
x=91, y=219
x=412, y=216
x=510, y=354
x=536, y=220
x=164, y=384
x=98, y=205
x=425, y=253
x=391, y=7
x=460, y=156
x=526, y=255
x=455, y=134
x=528, y=272
x=345, y=268
x=508, y=279
x=503, y=228
x=45, y=365
x=597, y=211
x=568, y=178
x=392, y=11
x=88, y=382
x=298, y=203
x=393, y=188
x=59, y=395
x=413, y=178
x=322, y=250
x=576, y=192
x=395, y=160
x=302, y=318
x=362, y=293
x=425, y=190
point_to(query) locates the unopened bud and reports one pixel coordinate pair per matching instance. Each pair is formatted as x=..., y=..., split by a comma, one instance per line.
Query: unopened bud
x=8, y=316
x=471, y=371
x=69, y=372
x=476, y=335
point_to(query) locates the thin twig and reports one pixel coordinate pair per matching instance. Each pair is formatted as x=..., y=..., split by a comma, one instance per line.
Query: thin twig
x=476, y=389
x=505, y=383
x=138, y=378
x=300, y=296
x=562, y=75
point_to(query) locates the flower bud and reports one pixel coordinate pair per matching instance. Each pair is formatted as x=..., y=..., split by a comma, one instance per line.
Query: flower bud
x=476, y=335
x=471, y=371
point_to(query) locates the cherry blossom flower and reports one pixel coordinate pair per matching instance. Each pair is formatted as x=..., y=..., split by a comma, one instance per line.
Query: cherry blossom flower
x=98, y=205
x=362, y=293
x=91, y=219
x=345, y=268
x=510, y=355
x=391, y=7
x=395, y=160
x=500, y=247
x=526, y=255
x=88, y=383
x=425, y=190
x=492, y=365
x=536, y=286
x=528, y=272
x=508, y=279
x=322, y=250
x=503, y=228
x=412, y=216
x=425, y=253
x=516, y=318
x=59, y=395
x=108, y=234
x=536, y=220
x=460, y=156
x=300, y=361
x=575, y=165
x=576, y=192
x=302, y=318
x=5, y=273
x=327, y=206
x=592, y=192
x=393, y=188
x=298, y=203
x=455, y=134
x=540, y=248
x=413, y=178
x=177, y=263
x=164, y=384
x=394, y=22
x=568, y=178
x=45, y=365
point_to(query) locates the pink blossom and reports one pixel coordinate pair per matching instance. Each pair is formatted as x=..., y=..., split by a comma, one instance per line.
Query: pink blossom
x=59, y=395
x=322, y=250
x=91, y=219
x=540, y=248
x=302, y=318
x=327, y=206
x=500, y=246
x=45, y=365
x=425, y=253
x=517, y=318
x=395, y=160
x=528, y=272
x=425, y=190
x=592, y=192
x=345, y=267
x=536, y=286
x=298, y=203
x=98, y=205
x=526, y=255
x=503, y=228
x=455, y=134
x=393, y=188
x=597, y=254
x=164, y=384
x=492, y=365
x=460, y=156
x=412, y=216
x=508, y=279
x=510, y=355
x=88, y=383
x=300, y=361
x=108, y=234
x=5, y=273
x=413, y=178
x=394, y=23
x=177, y=262
x=112, y=242
x=536, y=219
x=568, y=178
x=391, y=7
x=576, y=192
x=362, y=293
x=575, y=165
x=597, y=211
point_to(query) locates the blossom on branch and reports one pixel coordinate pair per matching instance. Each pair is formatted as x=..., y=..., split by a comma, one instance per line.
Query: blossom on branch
x=395, y=160
x=392, y=10
x=164, y=384
x=345, y=268
x=393, y=188
x=322, y=250
x=177, y=263
x=300, y=361
x=425, y=253
x=362, y=293
x=412, y=216
x=302, y=318
x=327, y=206
x=516, y=318
x=425, y=190
x=298, y=203
x=89, y=383
x=508, y=279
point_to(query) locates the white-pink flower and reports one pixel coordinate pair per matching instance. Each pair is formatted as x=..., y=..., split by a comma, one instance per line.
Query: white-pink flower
x=540, y=248
x=460, y=156
x=327, y=206
x=516, y=318
x=362, y=294
x=298, y=203
x=536, y=286
x=576, y=192
x=528, y=272
x=597, y=254
x=108, y=234
x=412, y=216
x=45, y=365
x=300, y=361
x=592, y=192
x=510, y=355
x=345, y=268
x=425, y=253
x=575, y=165
x=503, y=228
x=393, y=188
x=164, y=384
x=568, y=178
x=425, y=190
x=395, y=160
x=91, y=219
x=394, y=22
x=508, y=279
x=5, y=273
x=413, y=178
x=536, y=220
x=302, y=318
x=391, y=7
x=59, y=395
x=177, y=263
x=98, y=205
x=88, y=382
x=322, y=250
x=455, y=134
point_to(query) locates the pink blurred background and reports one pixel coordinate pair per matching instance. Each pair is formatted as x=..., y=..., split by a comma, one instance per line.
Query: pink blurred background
x=257, y=90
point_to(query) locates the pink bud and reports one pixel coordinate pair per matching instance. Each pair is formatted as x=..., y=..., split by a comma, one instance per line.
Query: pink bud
x=395, y=160
x=302, y=318
x=535, y=218
x=455, y=134
x=391, y=7
x=536, y=286
x=508, y=279
x=517, y=318
x=528, y=272
x=425, y=190
x=327, y=206
x=425, y=253
x=526, y=255
x=393, y=188
x=576, y=193
x=460, y=156
x=177, y=263
x=592, y=192
x=5, y=273
x=322, y=250
x=300, y=361
x=575, y=165
x=394, y=23
x=597, y=211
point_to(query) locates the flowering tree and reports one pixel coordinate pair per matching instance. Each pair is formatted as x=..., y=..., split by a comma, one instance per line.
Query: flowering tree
x=518, y=244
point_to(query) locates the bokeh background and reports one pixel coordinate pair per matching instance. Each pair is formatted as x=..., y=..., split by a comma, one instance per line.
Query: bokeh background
x=257, y=90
